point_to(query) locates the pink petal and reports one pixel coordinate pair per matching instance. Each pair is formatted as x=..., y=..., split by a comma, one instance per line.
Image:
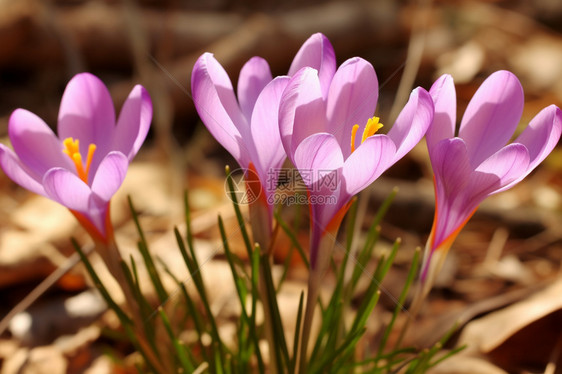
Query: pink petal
x=67, y=189
x=542, y=135
x=110, y=175
x=316, y=156
x=254, y=75
x=265, y=127
x=451, y=166
x=216, y=104
x=36, y=145
x=492, y=115
x=18, y=172
x=367, y=163
x=498, y=172
x=302, y=111
x=445, y=101
x=459, y=193
x=134, y=122
x=87, y=113
x=352, y=99
x=316, y=52
x=412, y=122
x=452, y=170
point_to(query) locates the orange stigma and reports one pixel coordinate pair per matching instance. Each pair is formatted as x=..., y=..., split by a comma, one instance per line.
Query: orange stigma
x=373, y=125
x=72, y=150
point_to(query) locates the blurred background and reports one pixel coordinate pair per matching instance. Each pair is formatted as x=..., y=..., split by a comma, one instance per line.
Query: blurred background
x=508, y=255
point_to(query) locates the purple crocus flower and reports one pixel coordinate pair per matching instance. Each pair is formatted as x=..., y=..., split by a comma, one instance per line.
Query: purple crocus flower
x=247, y=127
x=318, y=129
x=478, y=162
x=86, y=163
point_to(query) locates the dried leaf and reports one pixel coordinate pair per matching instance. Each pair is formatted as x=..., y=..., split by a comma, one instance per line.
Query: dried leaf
x=462, y=364
x=489, y=332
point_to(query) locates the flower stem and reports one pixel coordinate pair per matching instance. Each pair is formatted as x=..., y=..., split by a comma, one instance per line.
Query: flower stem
x=325, y=248
x=423, y=287
x=260, y=221
x=268, y=315
x=311, y=297
x=111, y=256
x=417, y=302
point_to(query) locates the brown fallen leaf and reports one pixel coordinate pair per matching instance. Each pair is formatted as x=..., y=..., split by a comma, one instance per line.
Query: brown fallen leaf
x=461, y=364
x=30, y=245
x=40, y=360
x=524, y=334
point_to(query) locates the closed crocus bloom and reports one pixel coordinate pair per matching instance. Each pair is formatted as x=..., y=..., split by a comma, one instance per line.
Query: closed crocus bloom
x=86, y=163
x=479, y=162
x=331, y=138
x=245, y=123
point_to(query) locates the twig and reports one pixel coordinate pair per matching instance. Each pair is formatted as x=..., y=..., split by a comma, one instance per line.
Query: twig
x=31, y=297
x=555, y=355
x=413, y=59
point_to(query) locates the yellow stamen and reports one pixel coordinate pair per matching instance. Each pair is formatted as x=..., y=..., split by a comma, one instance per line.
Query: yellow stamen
x=373, y=125
x=89, y=158
x=72, y=150
x=353, y=133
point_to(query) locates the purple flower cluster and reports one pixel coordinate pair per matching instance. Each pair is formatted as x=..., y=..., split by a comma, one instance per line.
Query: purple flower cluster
x=313, y=116
x=319, y=116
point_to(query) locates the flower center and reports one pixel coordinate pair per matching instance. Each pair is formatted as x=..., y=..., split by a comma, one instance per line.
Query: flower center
x=72, y=150
x=372, y=126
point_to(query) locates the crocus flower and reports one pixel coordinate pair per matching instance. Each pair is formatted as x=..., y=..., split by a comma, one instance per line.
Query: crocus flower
x=478, y=162
x=86, y=163
x=247, y=127
x=319, y=130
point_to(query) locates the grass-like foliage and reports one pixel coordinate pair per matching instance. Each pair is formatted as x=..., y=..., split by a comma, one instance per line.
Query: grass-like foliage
x=156, y=328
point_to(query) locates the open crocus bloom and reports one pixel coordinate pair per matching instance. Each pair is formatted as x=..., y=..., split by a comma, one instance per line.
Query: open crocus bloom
x=477, y=163
x=320, y=133
x=247, y=127
x=86, y=163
